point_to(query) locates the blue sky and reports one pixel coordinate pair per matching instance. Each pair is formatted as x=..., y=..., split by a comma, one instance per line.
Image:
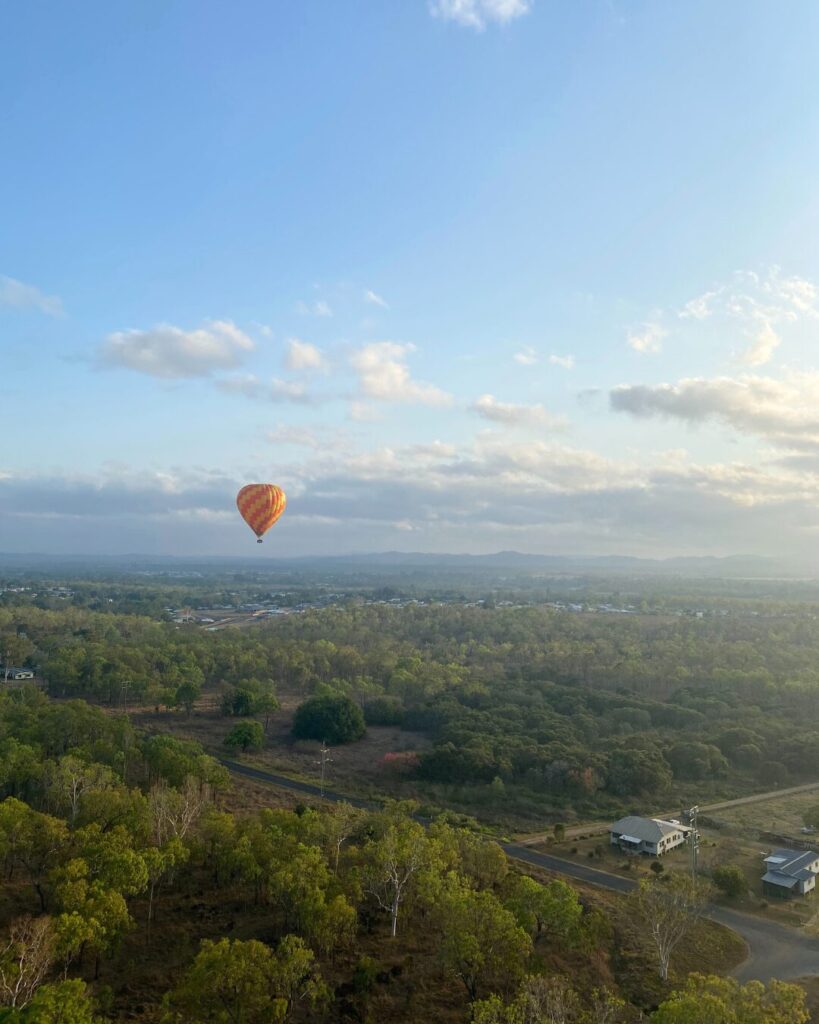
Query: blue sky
x=461, y=275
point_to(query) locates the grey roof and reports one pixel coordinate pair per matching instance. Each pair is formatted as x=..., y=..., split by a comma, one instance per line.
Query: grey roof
x=775, y=878
x=647, y=830
x=792, y=862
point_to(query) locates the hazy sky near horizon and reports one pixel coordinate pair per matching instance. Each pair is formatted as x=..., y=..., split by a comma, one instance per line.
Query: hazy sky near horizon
x=460, y=275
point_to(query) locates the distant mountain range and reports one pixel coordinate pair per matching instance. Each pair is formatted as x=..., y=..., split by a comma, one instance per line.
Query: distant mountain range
x=732, y=565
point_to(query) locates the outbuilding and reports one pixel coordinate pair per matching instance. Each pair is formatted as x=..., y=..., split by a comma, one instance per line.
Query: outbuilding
x=790, y=873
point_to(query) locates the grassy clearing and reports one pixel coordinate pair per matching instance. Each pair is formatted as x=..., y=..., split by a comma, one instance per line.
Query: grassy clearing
x=783, y=814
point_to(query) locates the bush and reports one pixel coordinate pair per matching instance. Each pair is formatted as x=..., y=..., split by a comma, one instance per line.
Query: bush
x=329, y=719
x=560, y=831
x=245, y=736
x=657, y=867
x=730, y=881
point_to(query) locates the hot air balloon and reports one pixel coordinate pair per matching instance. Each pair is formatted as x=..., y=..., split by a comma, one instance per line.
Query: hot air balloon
x=261, y=505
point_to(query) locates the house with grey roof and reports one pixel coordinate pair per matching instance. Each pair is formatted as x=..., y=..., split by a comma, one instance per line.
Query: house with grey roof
x=652, y=836
x=790, y=873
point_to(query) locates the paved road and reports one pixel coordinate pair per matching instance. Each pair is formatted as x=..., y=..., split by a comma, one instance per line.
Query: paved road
x=774, y=951
x=297, y=787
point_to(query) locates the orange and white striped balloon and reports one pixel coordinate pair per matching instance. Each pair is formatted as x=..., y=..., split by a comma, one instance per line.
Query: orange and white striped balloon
x=261, y=505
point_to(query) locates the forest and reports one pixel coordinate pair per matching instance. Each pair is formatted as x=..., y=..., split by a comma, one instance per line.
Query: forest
x=570, y=713
x=142, y=882
x=132, y=891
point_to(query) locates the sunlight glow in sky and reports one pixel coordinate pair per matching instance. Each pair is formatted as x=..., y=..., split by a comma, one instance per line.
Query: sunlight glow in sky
x=460, y=275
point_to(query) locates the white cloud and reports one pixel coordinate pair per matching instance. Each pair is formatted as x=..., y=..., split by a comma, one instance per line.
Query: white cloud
x=784, y=412
x=511, y=415
x=374, y=299
x=701, y=307
x=384, y=375
x=763, y=347
x=757, y=303
x=567, y=362
x=170, y=352
x=364, y=412
x=648, y=338
x=301, y=355
x=478, y=13
x=18, y=295
x=526, y=357
x=274, y=390
x=319, y=308
x=319, y=439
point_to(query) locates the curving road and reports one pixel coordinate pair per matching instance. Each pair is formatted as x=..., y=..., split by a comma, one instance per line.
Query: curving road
x=774, y=950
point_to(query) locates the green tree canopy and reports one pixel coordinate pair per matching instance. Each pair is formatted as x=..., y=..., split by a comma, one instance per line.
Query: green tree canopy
x=330, y=719
x=713, y=1000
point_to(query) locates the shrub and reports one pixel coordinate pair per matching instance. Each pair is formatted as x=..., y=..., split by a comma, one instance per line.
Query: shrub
x=330, y=719
x=657, y=867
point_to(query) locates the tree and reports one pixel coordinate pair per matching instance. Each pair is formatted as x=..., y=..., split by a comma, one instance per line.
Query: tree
x=187, y=694
x=634, y=771
x=112, y=859
x=25, y=960
x=72, y=778
x=695, y=760
x=730, y=881
x=94, y=917
x=297, y=881
x=236, y=982
x=64, y=1002
x=549, y=1000
x=707, y=999
x=33, y=840
x=669, y=909
x=331, y=719
x=245, y=736
x=159, y=862
x=334, y=927
x=340, y=823
x=175, y=811
x=552, y=911
x=481, y=943
x=392, y=864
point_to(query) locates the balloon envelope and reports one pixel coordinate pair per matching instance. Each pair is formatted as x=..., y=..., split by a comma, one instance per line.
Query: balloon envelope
x=260, y=506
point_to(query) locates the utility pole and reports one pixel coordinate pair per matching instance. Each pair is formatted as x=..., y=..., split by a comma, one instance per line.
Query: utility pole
x=694, y=840
x=325, y=760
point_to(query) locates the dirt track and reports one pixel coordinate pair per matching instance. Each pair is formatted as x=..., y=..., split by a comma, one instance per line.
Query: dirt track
x=598, y=827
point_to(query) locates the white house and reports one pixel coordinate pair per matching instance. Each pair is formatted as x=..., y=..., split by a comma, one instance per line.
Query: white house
x=653, y=836
x=18, y=673
x=790, y=873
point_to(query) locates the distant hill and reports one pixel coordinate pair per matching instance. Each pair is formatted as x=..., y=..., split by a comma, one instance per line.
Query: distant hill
x=514, y=561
